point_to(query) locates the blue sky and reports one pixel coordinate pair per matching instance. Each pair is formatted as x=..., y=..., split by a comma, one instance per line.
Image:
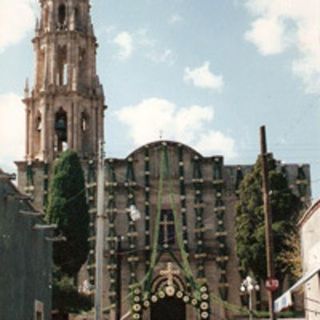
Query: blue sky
x=208, y=73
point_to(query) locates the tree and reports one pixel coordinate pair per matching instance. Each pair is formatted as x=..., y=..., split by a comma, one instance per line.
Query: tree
x=67, y=207
x=66, y=298
x=250, y=231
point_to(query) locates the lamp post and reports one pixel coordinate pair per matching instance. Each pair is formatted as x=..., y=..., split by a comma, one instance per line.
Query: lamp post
x=249, y=285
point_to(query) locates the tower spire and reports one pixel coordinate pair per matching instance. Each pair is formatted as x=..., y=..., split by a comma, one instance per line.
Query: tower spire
x=65, y=109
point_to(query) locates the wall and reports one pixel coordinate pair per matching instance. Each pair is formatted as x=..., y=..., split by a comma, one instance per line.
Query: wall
x=25, y=259
x=310, y=241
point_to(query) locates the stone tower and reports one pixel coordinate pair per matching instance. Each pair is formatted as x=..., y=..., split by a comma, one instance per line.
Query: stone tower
x=65, y=107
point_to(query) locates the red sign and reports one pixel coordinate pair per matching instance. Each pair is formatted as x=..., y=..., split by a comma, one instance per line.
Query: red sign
x=272, y=284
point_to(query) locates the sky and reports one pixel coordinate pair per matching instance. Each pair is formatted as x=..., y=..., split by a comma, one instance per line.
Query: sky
x=207, y=73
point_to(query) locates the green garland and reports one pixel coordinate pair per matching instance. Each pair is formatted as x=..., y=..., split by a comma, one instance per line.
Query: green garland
x=221, y=234
x=132, y=231
x=147, y=206
x=199, y=212
x=183, y=201
x=112, y=236
x=91, y=191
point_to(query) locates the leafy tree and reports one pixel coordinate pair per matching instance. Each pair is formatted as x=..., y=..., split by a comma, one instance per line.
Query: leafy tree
x=250, y=229
x=67, y=207
x=66, y=297
x=293, y=256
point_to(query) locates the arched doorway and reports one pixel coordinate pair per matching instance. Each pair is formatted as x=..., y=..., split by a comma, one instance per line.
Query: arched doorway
x=168, y=308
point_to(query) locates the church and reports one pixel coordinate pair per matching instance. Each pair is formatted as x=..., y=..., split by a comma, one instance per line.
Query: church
x=175, y=258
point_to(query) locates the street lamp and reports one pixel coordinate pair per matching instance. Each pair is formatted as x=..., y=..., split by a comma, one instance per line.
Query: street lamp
x=249, y=285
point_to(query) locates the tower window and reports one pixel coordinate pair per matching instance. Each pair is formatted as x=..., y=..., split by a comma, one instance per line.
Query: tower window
x=61, y=129
x=84, y=122
x=62, y=16
x=62, y=75
x=77, y=19
x=167, y=228
x=39, y=124
x=46, y=17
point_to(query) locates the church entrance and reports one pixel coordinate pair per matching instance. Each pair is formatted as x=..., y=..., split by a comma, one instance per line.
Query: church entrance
x=168, y=309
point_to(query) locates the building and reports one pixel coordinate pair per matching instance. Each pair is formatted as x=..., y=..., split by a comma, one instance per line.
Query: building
x=187, y=201
x=310, y=254
x=310, y=245
x=170, y=246
x=25, y=258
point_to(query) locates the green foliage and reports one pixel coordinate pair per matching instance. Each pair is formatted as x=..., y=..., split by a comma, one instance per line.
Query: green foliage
x=250, y=231
x=66, y=298
x=67, y=207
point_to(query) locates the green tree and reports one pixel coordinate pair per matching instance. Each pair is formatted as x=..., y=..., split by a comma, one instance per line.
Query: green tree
x=250, y=231
x=67, y=207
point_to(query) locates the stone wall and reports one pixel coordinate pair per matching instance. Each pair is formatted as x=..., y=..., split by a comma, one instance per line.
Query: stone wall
x=25, y=259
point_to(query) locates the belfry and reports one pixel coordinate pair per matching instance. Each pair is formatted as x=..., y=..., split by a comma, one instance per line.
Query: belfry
x=65, y=107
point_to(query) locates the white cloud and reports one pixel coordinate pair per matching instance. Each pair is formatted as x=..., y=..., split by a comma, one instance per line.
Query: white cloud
x=202, y=77
x=124, y=41
x=287, y=24
x=213, y=142
x=129, y=43
x=175, y=19
x=17, y=17
x=153, y=117
x=12, y=129
x=166, y=56
x=267, y=35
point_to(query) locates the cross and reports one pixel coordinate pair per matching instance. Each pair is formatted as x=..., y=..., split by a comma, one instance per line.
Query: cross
x=169, y=273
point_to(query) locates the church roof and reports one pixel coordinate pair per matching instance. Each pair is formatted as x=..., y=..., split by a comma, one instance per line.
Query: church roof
x=158, y=143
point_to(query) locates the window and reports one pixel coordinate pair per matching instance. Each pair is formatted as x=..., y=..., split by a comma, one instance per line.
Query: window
x=39, y=123
x=167, y=228
x=84, y=122
x=38, y=310
x=62, y=76
x=77, y=19
x=61, y=128
x=62, y=15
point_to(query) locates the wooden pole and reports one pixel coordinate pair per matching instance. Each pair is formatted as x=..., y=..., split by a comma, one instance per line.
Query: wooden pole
x=267, y=216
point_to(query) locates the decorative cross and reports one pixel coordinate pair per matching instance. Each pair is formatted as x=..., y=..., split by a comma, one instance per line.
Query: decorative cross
x=169, y=273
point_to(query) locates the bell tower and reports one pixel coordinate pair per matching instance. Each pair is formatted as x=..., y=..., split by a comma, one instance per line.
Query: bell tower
x=66, y=104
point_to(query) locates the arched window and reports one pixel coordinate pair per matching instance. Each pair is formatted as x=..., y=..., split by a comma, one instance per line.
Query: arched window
x=82, y=67
x=77, y=18
x=84, y=122
x=62, y=16
x=61, y=129
x=39, y=123
x=46, y=17
x=62, y=76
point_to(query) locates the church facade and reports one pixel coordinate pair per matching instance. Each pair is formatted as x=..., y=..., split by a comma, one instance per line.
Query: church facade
x=170, y=212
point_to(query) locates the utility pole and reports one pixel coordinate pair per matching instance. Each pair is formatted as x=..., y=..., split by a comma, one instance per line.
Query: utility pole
x=267, y=216
x=100, y=227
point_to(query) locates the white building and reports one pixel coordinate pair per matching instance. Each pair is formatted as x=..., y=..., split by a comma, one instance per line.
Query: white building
x=310, y=249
